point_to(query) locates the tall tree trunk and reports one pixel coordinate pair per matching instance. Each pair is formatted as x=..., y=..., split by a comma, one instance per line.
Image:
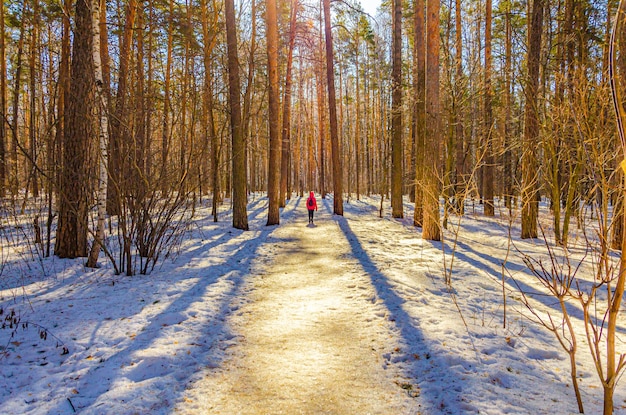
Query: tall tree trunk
x=72, y=230
x=332, y=107
x=459, y=177
x=357, y=133
x=240, y=198
x=32, y=172
x=345, y=153
x=530, y=203
x=140, y=141
x=209, y=40
x=3, y=105
x=286, y=130
x=508, y=103
x=13, y=156
x=166, y=127
x=62, y=123
x=614, y=367
x=103, y=136
x=321, y=116
x=185, y=144
x=300, y=133
x=104, y=54
x=420, y=109
x=619, y=207
x=273, y=179
x=51, y=143
x=120, y=133
x=368, y=131
x=150, y=93
x=247, y=98
x=321, y=111
x=489, y=158
x=396, y=114
x=431, y=229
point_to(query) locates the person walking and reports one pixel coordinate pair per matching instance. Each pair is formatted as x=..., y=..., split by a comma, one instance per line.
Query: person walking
x=311, y=205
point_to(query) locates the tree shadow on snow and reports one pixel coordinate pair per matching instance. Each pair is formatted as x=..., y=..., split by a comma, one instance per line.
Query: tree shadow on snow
x=440, y=389
x=141, y=364
x=492, y=266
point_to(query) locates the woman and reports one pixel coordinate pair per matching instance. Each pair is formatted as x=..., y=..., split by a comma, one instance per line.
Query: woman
x=311, y=205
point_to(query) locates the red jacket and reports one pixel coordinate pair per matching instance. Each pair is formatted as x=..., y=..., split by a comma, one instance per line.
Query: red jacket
x=311, y=203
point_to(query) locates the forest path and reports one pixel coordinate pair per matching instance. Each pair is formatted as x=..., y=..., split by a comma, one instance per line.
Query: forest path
x=314, y=339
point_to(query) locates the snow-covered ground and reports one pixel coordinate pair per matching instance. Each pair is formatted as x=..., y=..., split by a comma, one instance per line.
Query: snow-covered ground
x=91, y=342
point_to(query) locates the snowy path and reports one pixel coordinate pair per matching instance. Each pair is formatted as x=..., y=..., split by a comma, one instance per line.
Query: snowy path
x=313, y=336
x=349, y=317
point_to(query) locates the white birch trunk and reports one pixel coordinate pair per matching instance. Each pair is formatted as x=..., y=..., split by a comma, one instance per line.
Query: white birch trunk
x=103, y=137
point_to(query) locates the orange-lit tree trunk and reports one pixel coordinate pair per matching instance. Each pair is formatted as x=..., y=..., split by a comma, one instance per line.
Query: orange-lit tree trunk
x=3, y=105
x=420, y=108
x=240, y=198
x=209, y=40
x=489, y=159
x=615, y=366
x=332, y=107
x=321, y=139
x=273, y=180
x=286, y=130
x=165, y=131
x=459, y=176
x=247, y=96
x=120, y=134
x=321, y=117
x=31, y=172
x=508, y=104
x=431, y=229
x=530, y=203
x=396, y=113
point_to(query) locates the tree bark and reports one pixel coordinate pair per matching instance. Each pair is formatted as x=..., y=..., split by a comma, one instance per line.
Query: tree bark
x=165, y=132
x=120, y=134
x=357, y=138
x=614, y=366
x=321, y=114
x=286, y=129
x=530, y=203
x=64, y=92
x=72, y=231
x=247, y=97
x=140, y=141
x=103, y=135
x=322, y=125
x=104, y=54
x=273, y=180
x=396, y=114
x=489, y=158
x=459, y=177
x=13, y=157
x=431, y=229
x=3, y=105
x=508, y=102
x=420, y=109
x=332, y=107
x=240, y=199
x=209, y=40
x=32, y=173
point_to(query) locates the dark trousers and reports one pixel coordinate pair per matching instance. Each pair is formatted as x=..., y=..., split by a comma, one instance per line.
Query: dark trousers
x=311, y=215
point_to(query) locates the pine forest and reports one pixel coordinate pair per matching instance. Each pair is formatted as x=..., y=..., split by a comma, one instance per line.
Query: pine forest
x=128, y=125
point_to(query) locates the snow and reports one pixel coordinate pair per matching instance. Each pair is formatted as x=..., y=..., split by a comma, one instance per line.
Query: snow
x=351, y=315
